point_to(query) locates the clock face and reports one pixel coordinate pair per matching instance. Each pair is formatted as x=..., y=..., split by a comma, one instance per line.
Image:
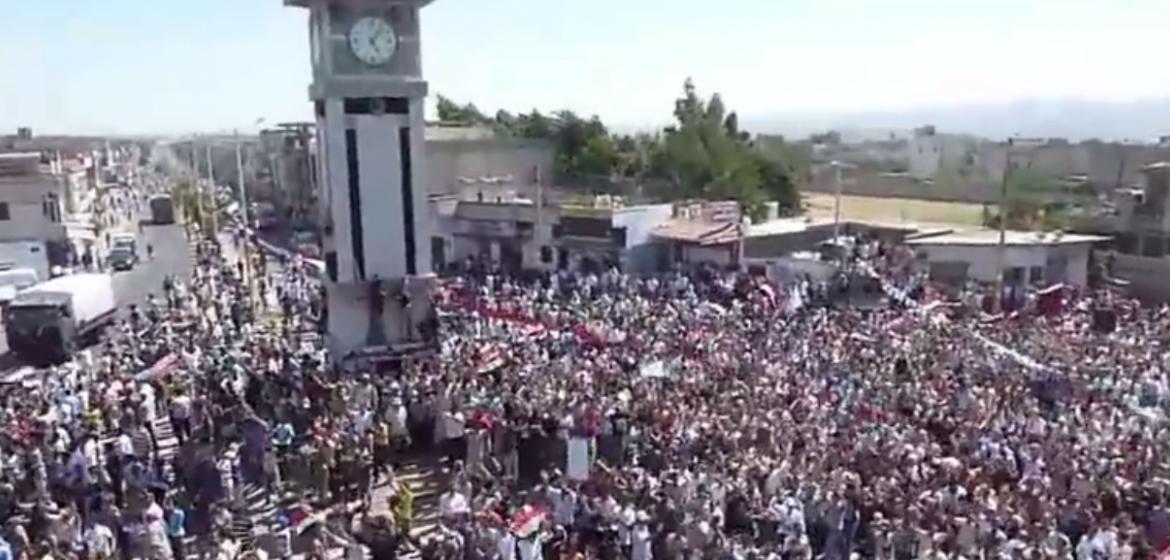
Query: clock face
x=372, y=40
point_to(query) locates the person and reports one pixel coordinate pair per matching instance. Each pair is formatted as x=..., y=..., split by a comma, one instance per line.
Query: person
x=176, y=519
x=149, y=251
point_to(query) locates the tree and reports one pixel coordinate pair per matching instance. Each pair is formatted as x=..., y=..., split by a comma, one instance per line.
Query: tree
x=534, y=125
x=705, y=155
x=1029, y=202
x=451, y=112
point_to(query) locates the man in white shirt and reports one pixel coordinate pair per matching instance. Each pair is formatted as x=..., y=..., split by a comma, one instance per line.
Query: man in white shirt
x=100, y=541
x=531, y=547
x=506, y=545
x=453, y=506
x=453, y=425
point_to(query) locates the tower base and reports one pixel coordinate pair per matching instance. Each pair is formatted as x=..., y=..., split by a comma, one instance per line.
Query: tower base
x=360, y=327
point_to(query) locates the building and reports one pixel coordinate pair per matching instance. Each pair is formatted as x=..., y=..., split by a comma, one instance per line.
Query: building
x=1139, y=222
x=462, y=159
x=514, y=232
x=1029, y=258
x=32, y=228
x=703, y=233
x=289, y=159
x=605, y=233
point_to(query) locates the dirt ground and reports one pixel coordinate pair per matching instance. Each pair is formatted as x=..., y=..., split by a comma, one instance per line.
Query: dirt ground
x=894, y=209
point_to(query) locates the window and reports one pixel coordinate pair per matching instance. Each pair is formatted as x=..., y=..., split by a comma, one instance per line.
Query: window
x=1013, y=275
x=1127, y=244
x=546, y=254
x=1153, y=246
x=4, y=213
x=1036, y=275
x=952, y=273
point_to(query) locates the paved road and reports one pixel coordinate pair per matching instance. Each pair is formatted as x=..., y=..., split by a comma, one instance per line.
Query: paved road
x=172, y=255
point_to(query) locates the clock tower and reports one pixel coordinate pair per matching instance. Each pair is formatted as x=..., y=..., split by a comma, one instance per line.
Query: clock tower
x=368, y=94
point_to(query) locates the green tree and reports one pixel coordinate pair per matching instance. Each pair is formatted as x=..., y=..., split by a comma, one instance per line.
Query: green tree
x=452, y=112
x=1029, y=202
x=705, y=155
x=534, y=125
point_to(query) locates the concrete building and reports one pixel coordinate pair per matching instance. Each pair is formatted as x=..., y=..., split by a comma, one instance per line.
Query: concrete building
x=607, y=233
x=516, y=233
x=1030, y=258
x=32, y=228
x=469, y=158
x=1139, y=222
x=289, y=159
x=709, y=232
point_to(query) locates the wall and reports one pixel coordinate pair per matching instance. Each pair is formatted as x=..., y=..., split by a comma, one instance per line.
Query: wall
x=870, y=183
x=25, y=254
x=639, y=221
x=450, y=160
x=25, y=197
x=925, y=156
x=1146, y=275
x=983, y=260
x=642, y=254
x=719, y=255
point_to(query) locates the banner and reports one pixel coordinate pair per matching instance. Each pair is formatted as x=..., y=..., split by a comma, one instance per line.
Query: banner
x=166, y=365
x=578, y=460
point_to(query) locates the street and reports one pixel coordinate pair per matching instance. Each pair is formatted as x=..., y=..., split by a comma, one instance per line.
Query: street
x=172, y=255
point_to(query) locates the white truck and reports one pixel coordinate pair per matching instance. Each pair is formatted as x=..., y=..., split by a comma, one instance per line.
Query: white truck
x=50, y=321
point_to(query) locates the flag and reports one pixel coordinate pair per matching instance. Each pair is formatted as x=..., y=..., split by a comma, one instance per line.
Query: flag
x=490, y=359
x=165, y=366
x=527, y=521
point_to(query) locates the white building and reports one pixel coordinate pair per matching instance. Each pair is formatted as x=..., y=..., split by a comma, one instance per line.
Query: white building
x=32, y=232
x=1034, y=258
x=931, y=153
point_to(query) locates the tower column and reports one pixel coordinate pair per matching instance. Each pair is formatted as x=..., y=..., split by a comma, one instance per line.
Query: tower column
x=368, y=95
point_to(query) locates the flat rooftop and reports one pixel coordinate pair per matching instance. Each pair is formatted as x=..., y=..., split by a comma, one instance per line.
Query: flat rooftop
x=990, y=237
x=784, y=226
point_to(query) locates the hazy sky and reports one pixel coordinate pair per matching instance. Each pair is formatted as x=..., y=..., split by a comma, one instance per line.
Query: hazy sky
x=165, y=66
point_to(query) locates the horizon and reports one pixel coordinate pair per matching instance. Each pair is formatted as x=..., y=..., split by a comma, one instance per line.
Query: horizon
x=167, y=70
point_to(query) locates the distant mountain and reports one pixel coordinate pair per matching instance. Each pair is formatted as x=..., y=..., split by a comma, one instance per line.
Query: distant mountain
x=1069, y=118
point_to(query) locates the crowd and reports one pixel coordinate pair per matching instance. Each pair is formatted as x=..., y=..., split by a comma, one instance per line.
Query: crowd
x=718, y=421
x=697, y=415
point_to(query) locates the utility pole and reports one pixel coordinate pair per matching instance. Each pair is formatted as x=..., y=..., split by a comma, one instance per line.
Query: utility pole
x=1000, y=254
x=197, y=184
x=247, y=254
x=836, y=200
x=214, y=204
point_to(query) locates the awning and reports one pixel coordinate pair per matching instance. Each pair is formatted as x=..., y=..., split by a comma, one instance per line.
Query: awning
x=699, y=232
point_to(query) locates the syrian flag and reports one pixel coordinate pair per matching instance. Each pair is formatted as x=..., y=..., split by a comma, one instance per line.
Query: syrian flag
x=535, y=331
x=165, y=366
x=490, y=359
x=527, y=521
x=769, y=294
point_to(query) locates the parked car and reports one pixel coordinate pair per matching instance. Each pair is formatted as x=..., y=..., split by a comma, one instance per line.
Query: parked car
x=122, y=258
